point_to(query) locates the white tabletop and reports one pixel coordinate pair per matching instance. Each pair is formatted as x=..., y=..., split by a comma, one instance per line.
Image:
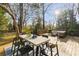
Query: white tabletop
x=36, y=41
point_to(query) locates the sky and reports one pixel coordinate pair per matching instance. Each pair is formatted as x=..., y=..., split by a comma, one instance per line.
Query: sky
x=50, y=15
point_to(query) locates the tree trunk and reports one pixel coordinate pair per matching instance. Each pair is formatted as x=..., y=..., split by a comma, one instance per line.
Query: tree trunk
x=43, y=17
x=21, y=18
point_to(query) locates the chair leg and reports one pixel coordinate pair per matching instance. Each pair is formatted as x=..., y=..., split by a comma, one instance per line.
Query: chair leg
x=17, y=50
x=14, y=51
x=51, y=51
x=40, y=52
x=46, y=44
x=37, y=50
x=57, y=50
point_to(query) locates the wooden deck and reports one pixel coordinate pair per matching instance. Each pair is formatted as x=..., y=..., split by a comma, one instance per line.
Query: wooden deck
x=69, y=46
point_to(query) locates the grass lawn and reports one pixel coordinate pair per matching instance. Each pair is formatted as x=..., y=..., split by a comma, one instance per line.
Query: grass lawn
x=6, y=38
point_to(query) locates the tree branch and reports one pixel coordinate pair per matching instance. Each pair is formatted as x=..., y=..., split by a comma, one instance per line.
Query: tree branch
x=4, y=7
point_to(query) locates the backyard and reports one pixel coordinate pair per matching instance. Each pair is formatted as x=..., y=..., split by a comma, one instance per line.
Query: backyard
x=39, y=29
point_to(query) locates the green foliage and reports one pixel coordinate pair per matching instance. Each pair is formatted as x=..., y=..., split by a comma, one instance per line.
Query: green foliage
x=10, y=27
x=37, y=27
x=1, y=35
x=67, y=21
x=3, y=20
x=27, y=30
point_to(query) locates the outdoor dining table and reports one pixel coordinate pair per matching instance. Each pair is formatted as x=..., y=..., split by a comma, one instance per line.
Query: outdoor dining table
x=39, y=40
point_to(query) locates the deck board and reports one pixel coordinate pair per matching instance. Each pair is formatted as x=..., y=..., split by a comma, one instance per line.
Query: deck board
x=69, y=48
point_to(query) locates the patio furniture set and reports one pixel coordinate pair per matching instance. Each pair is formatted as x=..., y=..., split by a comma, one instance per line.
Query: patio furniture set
x=34, y=46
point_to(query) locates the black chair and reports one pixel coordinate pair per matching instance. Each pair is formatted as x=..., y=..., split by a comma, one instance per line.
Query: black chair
x=51, y=47
x=15, y=46
x=42, y=52
x=19, y=46
x=25, y=50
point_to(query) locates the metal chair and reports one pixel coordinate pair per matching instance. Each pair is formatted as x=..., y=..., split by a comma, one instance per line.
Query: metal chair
x=15, y=46
x=19, y=46
x=42, y=52
x=25, y=50
x=51, y=48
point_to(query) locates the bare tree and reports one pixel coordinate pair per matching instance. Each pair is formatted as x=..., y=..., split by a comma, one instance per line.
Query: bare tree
x=44, y=8
x=20, y=20
x=7, y=8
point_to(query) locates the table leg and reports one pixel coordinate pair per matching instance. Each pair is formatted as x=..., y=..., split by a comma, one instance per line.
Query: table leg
x=33, y=50
x=37, y=50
